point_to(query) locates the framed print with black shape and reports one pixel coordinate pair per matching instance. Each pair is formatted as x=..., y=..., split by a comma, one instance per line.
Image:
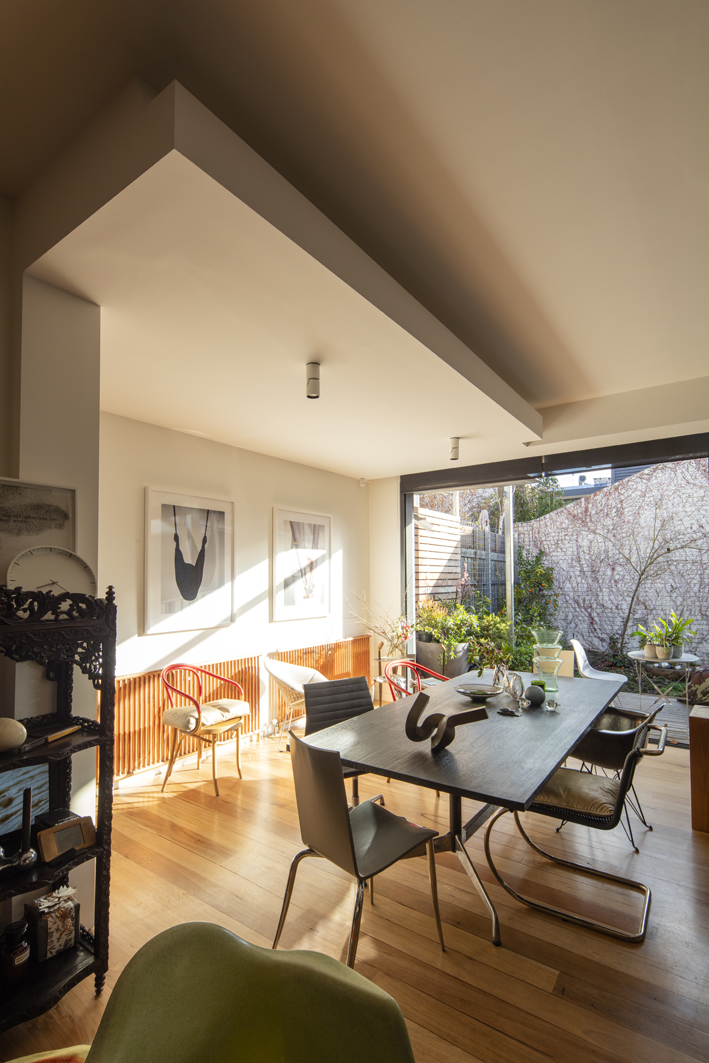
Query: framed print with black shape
x=189, y=562
x=34, y=515
x=300, y=587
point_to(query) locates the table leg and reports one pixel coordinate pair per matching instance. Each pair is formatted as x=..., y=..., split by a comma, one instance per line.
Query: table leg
x=455, y=817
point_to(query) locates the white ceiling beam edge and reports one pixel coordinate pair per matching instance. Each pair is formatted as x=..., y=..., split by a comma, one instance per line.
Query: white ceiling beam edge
x=678, y=408
x=140, y=130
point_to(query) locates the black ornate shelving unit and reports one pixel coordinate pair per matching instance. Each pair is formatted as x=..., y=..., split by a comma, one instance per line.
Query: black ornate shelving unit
x=61, y=632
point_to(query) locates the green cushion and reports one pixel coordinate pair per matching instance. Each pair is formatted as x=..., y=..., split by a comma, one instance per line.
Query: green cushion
x=198, y=994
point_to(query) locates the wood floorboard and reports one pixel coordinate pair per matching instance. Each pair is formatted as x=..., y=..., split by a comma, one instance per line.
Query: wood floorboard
x=553, y=992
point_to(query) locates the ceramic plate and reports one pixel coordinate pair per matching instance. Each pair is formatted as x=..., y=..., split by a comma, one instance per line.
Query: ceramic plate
x=479, y=691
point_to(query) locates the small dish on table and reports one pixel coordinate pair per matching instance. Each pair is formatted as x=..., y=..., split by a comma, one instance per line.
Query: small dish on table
x=479, y=691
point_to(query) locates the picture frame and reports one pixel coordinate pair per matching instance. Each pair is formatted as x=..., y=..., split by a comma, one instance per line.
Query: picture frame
x=300, y=583
x=189, y=562
x=34, y=514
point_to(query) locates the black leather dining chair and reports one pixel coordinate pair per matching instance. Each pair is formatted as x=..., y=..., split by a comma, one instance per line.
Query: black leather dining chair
x=363, y=841
x=329, y=703
x=607, y=745
x=593, y=801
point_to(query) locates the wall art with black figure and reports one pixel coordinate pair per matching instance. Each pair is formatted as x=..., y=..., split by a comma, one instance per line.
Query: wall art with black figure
x=301, y=565
x=188, y=562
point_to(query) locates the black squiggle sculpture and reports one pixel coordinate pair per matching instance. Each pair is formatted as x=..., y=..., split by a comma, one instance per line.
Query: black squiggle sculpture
x=438, y=727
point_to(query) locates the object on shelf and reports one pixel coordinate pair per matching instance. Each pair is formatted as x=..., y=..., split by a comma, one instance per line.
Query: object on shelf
x=53, y=923
x=14, y=955
x=12, y=734
x=71, y=834
x=25, y=858
x=44, y=739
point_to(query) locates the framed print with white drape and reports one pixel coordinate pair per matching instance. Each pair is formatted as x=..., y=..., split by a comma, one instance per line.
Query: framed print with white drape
x=189, y=562
x=300, y=588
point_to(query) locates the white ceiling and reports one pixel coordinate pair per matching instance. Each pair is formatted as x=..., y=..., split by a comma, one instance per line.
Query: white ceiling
x=535, y=174
x=209, y=315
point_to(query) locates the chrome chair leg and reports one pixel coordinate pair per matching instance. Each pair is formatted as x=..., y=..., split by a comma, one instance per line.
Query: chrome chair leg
x=431, y=854
x=549, y=909
x=289, y=891
x=478, y=883
x=371, y=890
x=356, y=923
x=628, y=829
x=355, y=791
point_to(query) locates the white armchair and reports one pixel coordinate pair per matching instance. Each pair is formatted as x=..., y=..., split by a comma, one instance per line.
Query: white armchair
x=290, y=680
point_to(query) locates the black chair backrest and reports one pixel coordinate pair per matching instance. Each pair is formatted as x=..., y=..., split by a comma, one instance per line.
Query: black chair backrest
x=322, y=803
x=341, y=699
x=609, y=748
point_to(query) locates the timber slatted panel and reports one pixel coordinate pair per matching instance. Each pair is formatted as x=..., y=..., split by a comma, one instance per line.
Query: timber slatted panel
x=336, y=660
x=141, y=739
x=445, y=550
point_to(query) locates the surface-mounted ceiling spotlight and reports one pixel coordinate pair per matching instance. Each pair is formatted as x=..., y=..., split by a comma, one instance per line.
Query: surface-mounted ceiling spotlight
x=455, y=448
x=312, y=376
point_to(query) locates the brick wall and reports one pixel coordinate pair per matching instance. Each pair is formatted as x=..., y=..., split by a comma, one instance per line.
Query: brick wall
x=594, y=543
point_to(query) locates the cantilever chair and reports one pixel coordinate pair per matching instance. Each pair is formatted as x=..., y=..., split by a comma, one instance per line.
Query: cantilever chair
x=607, y=745
x=203, y=720
x=196, y=992
x=363, y=841
x=340, y=699
x=291, y=679
x=400, y=673
x=592, y=801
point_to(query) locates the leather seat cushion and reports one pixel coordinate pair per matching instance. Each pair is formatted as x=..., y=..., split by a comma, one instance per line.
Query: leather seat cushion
x=186, y=717
x=579, y=791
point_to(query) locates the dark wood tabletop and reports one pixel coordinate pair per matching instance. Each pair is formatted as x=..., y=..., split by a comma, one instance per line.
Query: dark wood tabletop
x=504, y=760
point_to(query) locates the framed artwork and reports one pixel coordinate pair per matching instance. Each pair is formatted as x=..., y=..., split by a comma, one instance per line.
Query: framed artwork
x=189, y=567
x=34, y=515
x=300, y=587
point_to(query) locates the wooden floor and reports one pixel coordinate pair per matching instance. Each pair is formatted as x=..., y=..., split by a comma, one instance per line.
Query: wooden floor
x=552, y=992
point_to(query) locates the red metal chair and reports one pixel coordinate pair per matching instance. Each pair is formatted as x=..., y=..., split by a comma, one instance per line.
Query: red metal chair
x=398, y=684
x=203, y=720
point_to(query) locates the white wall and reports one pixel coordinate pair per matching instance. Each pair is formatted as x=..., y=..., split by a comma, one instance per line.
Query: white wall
x=135, y=455
x=59, y=401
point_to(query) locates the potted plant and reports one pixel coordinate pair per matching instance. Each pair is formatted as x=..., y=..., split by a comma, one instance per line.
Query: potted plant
x=449, y=628
x=428, y=613
x=663, y=645
x=679, y=632
x=647, y=641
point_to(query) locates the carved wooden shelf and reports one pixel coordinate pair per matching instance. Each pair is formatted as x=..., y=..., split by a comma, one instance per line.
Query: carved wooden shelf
x=62, y=632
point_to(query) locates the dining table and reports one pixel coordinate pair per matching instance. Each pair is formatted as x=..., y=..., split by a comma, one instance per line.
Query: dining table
x=502, y=761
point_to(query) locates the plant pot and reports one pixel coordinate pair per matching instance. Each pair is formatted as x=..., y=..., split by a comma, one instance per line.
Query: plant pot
x=429, y=653
x=677, y=651
x=664, y=653
x=424, y=636
x=650, y=651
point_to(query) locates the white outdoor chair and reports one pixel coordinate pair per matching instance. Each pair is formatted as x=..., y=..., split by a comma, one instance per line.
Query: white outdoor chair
x=290, y=680
x=585, y=669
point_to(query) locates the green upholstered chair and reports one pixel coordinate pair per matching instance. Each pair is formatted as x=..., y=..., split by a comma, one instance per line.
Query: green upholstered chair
x=199, y=994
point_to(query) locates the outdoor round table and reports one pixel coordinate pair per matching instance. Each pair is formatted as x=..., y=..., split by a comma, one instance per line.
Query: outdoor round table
x=682, y=664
